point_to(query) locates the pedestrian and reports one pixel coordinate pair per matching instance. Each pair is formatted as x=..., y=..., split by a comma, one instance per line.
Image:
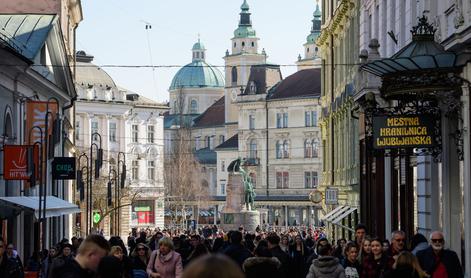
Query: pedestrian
x=378, y=263
x=15, y=266
x=406, y=266
x=418, y=243
x=200, y=250
x=236, y=251
x=62, y=258
x=89, y=254
x=350, y=262
x=165, y=262
x=365, y=251
x=326, y=266
x=386, y=245
x=437, y=261
x=110, y=267
x=213, y=266
x=360, y=234
x=3, y=260
x=315, y=254
x=47, y=259
x=33, y=264
x=273, y=245
x=339, y=249
x=262, y=265
x=284, y=244
x=398, y=242
x=139, y=259
x=298, y=256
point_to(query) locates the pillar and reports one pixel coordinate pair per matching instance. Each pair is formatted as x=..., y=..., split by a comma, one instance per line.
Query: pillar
x=387, y=195
x=286, y=217
x=451, y=193
x=467, y=180
x=427, y=195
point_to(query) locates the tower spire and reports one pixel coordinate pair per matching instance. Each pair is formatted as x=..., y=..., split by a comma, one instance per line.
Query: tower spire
x=245, y=15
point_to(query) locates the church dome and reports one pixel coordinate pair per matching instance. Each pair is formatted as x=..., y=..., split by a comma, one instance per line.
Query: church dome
x=197, y=74
x=88, y=74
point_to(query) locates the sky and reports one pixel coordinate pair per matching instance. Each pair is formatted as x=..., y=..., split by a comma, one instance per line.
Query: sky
x=114, y=32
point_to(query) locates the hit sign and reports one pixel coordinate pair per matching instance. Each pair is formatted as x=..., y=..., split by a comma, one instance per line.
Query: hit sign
x=15, y=161
x=411, y=131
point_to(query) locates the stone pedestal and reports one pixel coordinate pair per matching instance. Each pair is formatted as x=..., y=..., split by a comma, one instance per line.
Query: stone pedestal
x=234, y=214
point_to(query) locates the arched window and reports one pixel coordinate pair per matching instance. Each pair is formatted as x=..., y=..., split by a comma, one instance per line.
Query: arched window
x=235, y=44
x=285, y=149
x=253, y=148
x=234, y=76
x=307, y=148
x=243, y=44
x=8, y=129
x=253, y=44
x=279, y=149
x=315, y=148
x=193, y=106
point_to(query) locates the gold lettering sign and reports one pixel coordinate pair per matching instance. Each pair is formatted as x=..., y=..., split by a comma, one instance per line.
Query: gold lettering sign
x=416, y=131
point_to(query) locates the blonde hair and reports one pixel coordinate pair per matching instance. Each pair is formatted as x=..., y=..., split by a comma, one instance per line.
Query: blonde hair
x=406, y=258
x=115, y=249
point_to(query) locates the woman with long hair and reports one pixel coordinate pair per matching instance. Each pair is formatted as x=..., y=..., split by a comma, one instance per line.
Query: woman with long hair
x=284, y=243
x=350, y=262
x=407, y=266
x=378, y=263
x=140, y=258
x=365, y=250
x=298, y=254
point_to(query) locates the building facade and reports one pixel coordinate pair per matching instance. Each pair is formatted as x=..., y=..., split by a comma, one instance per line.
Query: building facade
x=131, y=129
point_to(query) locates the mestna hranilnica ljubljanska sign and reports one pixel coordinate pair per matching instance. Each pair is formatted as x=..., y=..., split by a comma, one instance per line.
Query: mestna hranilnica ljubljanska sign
x=411, y=131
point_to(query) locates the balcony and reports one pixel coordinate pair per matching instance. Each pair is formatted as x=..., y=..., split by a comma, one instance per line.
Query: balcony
x=252, y=161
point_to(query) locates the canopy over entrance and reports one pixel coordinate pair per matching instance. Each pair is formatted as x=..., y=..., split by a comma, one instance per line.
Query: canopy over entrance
x=54, y=205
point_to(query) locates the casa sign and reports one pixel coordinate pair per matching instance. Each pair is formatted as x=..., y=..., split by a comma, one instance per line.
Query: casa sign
x=402, y=132
x=63, y=168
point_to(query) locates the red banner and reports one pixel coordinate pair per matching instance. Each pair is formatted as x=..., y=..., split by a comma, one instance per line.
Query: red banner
x=15, y=161
x=36, y=116
x=144, y=217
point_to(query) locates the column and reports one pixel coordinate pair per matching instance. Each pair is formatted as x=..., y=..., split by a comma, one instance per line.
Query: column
x=286, y=217
x=387, y=196
x=215, y=217
x=451, y=187
x=427, y=195
x=467, y=180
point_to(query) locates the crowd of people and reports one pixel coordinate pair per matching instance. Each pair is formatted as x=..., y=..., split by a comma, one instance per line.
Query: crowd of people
x=210, y=252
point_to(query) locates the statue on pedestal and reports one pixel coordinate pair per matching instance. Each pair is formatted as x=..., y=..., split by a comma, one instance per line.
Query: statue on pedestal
x=249, y=193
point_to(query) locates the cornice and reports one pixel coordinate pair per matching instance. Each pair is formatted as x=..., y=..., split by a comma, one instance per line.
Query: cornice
x=336, y=23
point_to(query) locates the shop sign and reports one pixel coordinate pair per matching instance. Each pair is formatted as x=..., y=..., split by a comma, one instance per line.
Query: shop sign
x=63, y=168
x=142, y=208
x=96, y=217
x=15, y=161
x=411, y=131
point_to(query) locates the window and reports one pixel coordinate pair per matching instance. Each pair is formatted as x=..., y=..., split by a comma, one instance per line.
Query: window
x=150, y=170
x=315, y=148
x=223, y=188
x=135, y=169
x=279, y=150
x=314, y=118
x=135, y=133
x=331, y=196
x=282, y=180
x=251, y=122
x=253, y=44
x=211, y=142
x=307, y=149
x=221, y=139
x=253, y=149
x=223, y=166
x=243, y=44
x=197, y=143
x=112, y=132
x=279, y=118
x=307, y=118
x=310, y=180
x=285, y=149
x=193, y=106
x=285, y=119
x=150, y=134
x=234, y=74
x=94, y=130
x=77, y=130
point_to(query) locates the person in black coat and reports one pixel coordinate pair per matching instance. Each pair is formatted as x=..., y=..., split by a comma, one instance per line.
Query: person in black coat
x=262, y=265
x=273, y=244
x=236, y=251
x=436, y=259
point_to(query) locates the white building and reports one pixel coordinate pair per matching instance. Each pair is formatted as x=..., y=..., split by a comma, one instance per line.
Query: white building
x=131, y=129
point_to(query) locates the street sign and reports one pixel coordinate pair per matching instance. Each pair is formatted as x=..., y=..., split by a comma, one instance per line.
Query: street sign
x=15, y=161
x=96, y=217
x=63, y=168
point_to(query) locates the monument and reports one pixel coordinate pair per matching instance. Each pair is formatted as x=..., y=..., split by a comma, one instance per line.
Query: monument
x=240, y=197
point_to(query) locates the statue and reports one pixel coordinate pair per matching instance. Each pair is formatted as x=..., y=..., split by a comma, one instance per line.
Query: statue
x=249, y=193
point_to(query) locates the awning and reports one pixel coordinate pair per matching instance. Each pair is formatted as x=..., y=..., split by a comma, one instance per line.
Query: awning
x=337, y=213
x=54, y=205
x=343, y=215
x=335, y=210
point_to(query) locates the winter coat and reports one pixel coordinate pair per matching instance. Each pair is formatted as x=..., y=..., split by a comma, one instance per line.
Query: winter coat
x=421, y=246
x=372, y=268
x=326, y=267
x=262, y=267
x=449, y=258
x=284, y=259
x=168, y=266
x=402, y=272
x=238, y=253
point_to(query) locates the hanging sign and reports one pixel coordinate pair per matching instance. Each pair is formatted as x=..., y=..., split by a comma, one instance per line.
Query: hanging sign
x=63, y=168
x=411, y=131
x=15, y=161
x=96, y=217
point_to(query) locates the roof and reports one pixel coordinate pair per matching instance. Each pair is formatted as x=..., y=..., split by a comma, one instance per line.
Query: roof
x=197, y=74
x=198, y=46
x=263, y=77
x=304, y=83
x=231, y=143
x=26, y=33
x=213, y=116
x=206, y=156
x=171, y=120
x=88, y=73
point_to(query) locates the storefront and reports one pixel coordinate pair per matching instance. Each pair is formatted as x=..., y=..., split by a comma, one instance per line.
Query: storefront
x=143, y=213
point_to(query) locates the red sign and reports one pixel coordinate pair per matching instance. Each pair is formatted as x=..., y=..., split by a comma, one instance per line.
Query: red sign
x=36, y=116
x=15, y=161
x=144, y=217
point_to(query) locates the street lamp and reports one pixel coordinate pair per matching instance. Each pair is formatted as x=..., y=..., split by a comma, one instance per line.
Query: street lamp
x=98, y=164
x=33, y=169
x=121, y=178
x=109, y=194
x=81, y=187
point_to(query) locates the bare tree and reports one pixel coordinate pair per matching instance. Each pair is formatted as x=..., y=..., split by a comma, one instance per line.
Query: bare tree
x=183, y=180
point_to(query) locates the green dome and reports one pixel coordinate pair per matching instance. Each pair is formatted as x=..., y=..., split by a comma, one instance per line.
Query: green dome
x=198, y=74
x=245, y=6
x=198, y=46
x=244, y=32
x=312, y=38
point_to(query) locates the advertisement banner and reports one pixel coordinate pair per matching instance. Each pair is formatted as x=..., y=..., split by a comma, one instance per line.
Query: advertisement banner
x=411, y=131
x=15, y=161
